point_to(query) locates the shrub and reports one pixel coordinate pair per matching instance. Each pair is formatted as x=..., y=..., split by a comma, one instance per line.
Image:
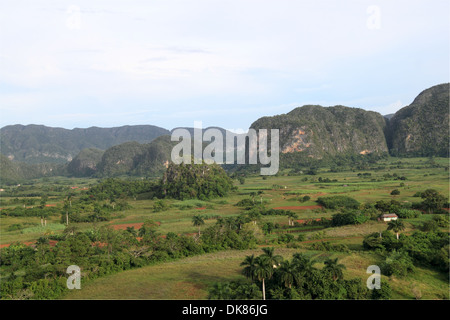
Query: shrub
x=398, y=263
x=335, y=202
x=384, y=293
x=407, y=213
x=352, y=217
x=160, y=205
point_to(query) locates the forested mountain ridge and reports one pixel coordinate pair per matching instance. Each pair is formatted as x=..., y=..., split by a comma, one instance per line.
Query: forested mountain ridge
x=422, y=128
x=318, y=131
x=38, y=143
x=307, y=133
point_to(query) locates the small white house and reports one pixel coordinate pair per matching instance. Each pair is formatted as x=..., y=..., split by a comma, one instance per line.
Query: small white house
x=388, y=217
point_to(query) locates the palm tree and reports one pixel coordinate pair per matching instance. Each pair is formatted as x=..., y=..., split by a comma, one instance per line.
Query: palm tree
x=334, y=268
x=198, y=221
x=273, y=259
x=288, y=273
x=220, y=291
x=250, y=266
x=263, y=270
x=292, y=215
x=302, y=265
x=396, y=226
x=252, y=195
x=254, y=215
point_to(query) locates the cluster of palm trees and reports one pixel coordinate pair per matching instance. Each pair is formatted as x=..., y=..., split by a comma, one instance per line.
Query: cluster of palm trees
x=290, y=273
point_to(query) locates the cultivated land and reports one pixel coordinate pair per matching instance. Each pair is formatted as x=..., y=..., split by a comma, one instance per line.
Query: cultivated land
x=190, y=278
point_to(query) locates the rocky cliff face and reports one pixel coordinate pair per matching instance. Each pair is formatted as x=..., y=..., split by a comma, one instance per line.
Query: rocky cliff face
x=318, y=131
x=422, y=128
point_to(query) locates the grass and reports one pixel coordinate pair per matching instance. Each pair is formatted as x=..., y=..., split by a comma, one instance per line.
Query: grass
x=189, y=278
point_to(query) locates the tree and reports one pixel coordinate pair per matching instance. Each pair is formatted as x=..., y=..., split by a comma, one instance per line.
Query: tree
x=432, y=200
x=288, y=273
x=198, y=221
x=302, y=263
x=250, y=267
x=263, y=270
x=220, y=291
x=273, y=259
x=335, y=269
x=291, y=216
x=396, y=226
x=306, y=198
x=395, y=192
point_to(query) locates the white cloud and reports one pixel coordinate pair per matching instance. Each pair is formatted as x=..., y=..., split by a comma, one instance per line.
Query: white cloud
x=252, y=53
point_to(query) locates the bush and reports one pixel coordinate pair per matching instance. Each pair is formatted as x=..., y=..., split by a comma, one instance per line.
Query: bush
x=245, y=203
x=285, y=238
x=398, y=263
x=16, y=226
x=335, y=202
x=407, y=213
x=352, y=217
x=384, y=293
x=305, y=198
x=160, y=205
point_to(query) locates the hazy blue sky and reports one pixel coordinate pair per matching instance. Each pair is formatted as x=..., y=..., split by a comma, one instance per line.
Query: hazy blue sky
x=226, y=63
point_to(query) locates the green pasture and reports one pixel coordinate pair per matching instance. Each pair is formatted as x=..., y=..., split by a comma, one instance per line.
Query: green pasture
x=190, y=278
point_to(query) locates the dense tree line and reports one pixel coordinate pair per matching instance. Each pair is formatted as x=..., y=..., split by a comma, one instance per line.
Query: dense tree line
x=426, y=248
x=272, y=277
x=39, y=272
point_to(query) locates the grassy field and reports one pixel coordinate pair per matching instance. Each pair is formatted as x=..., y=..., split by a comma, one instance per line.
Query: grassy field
x=190, y=278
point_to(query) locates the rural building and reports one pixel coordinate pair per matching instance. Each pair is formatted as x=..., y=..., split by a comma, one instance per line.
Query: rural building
x=388, y=217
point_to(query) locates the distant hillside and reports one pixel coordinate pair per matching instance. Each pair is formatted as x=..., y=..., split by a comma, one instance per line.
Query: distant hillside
x=308, y=134
x=85, y=163
x=422, y=128
x=37, y=143
x=129, y=158
x=316, y=131
x=12, y=172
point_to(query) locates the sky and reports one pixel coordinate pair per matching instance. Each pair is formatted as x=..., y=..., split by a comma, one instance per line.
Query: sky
x=107, y=63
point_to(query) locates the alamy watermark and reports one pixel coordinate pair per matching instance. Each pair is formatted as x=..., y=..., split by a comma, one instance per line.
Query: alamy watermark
x=231, y=149
x=74, y=281
x=374, y=20
x=374, y=281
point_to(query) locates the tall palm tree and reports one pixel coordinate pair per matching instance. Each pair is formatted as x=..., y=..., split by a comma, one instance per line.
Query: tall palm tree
x=292, y=216
x=396, y=226
x=250, y=266
x=302, y=265
x=273, y=259
x=288, y=273
x=198, y=221
x=302, y=261
x=263, y=270
x=332, y=266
